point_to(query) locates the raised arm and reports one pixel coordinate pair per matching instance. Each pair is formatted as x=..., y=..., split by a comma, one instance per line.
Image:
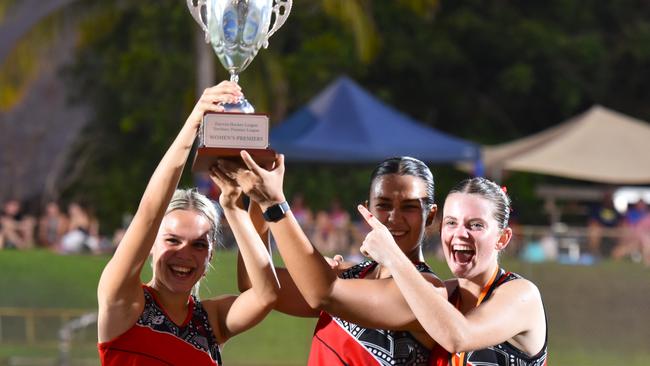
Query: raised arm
x=511, y=314
x=236, y=314
x=290, y=300
x=262, y=229
x=319, y=285
x=119, y=292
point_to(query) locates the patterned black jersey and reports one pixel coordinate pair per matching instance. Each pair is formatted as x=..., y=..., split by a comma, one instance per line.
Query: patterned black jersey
x=503, y=354
x=339, y=342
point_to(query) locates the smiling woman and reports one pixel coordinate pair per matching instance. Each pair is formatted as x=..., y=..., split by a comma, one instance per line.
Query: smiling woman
x=191, y=222
x=363, y=318
x=162, y=322
x=493, y=317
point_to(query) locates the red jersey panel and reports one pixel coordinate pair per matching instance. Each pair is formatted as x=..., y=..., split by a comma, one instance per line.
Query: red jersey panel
x=156, y=340
x=339, y=342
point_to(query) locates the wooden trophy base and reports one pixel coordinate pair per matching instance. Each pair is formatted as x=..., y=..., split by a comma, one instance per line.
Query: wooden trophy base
x=224, y=135
x=206, y=157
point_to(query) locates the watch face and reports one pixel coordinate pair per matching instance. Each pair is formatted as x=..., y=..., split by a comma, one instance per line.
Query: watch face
x=276, y=212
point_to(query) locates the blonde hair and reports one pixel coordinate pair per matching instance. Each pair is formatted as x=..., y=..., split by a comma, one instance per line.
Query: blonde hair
x=191, y=200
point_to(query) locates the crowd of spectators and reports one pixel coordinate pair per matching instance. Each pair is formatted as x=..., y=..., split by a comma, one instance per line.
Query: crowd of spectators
x=635, y=241
x=332, y=230
x=620, y=235
x=75, y=230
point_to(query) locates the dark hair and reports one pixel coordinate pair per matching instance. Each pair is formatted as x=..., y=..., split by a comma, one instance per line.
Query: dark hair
x=406, y=165
x=490, y=191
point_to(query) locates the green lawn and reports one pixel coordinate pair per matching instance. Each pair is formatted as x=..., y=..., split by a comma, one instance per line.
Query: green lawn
x=598, y=315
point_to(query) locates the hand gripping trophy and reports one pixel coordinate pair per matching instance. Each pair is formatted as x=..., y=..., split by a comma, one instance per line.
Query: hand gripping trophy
x=237, y=29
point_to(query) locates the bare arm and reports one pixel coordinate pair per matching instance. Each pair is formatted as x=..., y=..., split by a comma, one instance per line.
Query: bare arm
x=290, y=300
x=321, y=288
x=349, y=299
x=513, y=313
x=119, y=292
x=243, y=282
x=235, y=314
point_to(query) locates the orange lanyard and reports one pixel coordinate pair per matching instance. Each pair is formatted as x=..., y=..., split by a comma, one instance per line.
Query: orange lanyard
x=458, y=359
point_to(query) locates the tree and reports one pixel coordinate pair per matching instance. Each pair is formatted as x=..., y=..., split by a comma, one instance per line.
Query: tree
x=35, y=39
x=486, y=71
x=139, y=80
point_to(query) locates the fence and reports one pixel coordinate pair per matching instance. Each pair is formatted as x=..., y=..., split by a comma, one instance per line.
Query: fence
x=30, y=318
x=570, y=244
x=37, y=326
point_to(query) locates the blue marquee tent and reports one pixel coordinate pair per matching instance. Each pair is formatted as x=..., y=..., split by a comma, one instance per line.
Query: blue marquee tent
x=345, y=124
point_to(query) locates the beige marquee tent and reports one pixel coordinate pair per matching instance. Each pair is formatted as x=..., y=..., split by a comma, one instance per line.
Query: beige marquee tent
x=599, y=145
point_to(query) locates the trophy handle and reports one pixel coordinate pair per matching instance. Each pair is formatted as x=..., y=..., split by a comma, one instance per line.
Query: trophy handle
x=198, y=9
x=283, y=6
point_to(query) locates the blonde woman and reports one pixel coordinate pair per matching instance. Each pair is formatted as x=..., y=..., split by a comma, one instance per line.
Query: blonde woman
x=163, y=322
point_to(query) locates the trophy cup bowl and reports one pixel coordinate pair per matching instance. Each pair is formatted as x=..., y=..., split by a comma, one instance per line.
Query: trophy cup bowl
x=236, y=29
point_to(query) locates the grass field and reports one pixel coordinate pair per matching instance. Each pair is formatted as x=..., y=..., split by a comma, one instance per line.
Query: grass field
x=598, y=315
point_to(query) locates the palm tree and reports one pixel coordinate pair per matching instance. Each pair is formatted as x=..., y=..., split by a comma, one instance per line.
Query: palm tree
x=35, y=37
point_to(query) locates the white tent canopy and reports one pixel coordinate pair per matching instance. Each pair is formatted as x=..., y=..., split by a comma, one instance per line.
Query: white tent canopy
x=598, y=145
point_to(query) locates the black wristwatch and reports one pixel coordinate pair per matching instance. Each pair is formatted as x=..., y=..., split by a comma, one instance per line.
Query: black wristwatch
x=276, y=212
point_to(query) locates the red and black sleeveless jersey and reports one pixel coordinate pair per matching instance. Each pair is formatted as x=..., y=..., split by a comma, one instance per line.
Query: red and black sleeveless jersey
x=503, y=354
x=155, y=340
x=339, y=342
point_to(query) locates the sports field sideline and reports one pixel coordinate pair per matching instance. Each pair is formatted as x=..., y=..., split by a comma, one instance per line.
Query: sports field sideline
x=598, y=315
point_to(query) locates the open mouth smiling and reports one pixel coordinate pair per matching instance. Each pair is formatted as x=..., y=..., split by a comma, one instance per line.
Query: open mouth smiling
x=462, y=254
x=181, y=271
x=397, y=233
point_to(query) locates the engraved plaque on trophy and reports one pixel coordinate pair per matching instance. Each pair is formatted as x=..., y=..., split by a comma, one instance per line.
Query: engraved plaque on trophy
x=224, y=135
x=236, y=29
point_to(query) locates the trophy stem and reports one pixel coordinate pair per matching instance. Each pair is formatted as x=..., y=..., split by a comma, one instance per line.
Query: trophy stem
x=242, y=105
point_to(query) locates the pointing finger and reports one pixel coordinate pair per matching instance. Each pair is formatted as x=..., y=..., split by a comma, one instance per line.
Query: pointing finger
x=370, y=218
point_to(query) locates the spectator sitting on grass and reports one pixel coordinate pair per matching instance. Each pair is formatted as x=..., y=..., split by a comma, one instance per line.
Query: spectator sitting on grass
x=83, y=232
x=52, y=225
x=602, y=217
x=633, y=243
x=17, y=228
x=643, y=232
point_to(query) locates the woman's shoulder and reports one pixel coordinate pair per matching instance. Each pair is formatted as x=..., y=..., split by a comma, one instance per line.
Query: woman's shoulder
x=508, y=277
x=518, y=286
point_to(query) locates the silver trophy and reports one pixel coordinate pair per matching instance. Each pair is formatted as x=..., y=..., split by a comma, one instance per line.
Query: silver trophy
x=237, y=29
